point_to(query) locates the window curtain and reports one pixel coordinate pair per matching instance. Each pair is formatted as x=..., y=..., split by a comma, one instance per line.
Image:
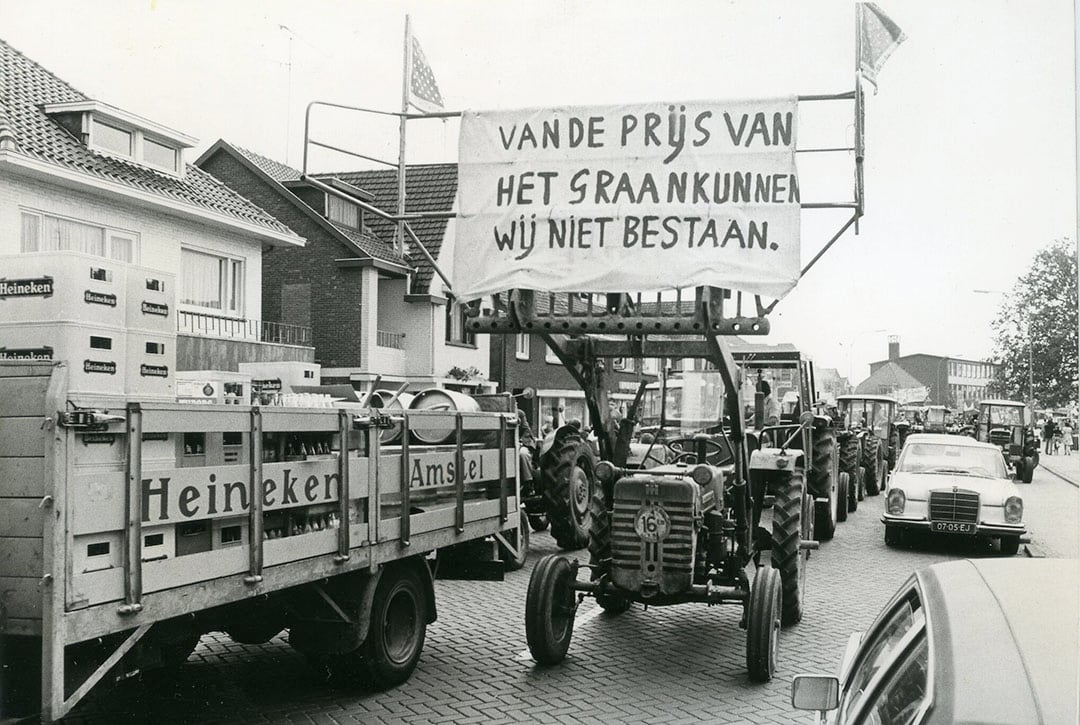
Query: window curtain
x=201, y=279
x=69, y=236
x=31, y=233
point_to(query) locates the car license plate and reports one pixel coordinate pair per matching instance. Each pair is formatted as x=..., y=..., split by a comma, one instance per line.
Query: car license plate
x=952, y=527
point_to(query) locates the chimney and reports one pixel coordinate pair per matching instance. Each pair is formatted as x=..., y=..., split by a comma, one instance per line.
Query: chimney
x=894, y=348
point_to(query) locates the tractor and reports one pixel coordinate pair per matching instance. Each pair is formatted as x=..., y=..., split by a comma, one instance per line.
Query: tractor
x=870, y=418
x=791, y=377
x=701, y=528
x=1005, y=424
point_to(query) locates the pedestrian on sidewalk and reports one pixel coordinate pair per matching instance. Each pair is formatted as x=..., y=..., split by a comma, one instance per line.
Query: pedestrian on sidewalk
x=1048, y=435
x=1067, y=436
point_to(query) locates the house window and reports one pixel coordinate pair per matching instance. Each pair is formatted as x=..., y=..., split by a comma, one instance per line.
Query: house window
x=112, y=139
x=45, y=233
x=522, y=351
x=342, y=212
x=456, y=324
x=210, y=281
x=160, y=155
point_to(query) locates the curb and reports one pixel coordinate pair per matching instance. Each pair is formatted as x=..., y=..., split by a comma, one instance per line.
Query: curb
x=1032, y=551
x=1062, y=476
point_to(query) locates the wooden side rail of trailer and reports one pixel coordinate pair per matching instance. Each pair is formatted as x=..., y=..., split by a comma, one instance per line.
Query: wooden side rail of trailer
x=119, y=520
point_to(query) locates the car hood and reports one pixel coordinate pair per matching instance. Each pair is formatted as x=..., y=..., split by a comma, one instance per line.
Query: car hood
x=919, y=485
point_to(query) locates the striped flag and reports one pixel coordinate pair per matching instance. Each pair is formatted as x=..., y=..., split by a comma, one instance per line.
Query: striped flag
x=878, y=36
x=423, y=90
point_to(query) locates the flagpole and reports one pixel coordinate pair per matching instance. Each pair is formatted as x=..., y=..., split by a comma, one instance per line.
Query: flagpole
x=399, y=237
x=859, y=116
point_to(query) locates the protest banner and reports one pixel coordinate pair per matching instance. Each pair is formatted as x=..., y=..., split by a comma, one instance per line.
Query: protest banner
x=636, y=197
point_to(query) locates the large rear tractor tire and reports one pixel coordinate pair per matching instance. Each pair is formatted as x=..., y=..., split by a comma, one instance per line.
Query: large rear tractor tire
x=788, y=556
x=843, y=496
x=567, y=472
x=822, y=483
x=1028, y=473
x=872, y=461
x=398, y=628
x=549, y=610
x=763, y=625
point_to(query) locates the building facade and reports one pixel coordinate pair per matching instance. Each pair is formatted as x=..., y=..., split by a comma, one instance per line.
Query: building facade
x=954, y=382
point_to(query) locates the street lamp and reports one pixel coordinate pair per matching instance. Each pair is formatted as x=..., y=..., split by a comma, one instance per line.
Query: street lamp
x=1025, y=330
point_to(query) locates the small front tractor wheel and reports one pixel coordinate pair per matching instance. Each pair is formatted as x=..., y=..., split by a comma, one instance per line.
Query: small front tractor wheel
x=842, y=496
x=567, y=473
x=519, y=539
x=763, y=625
x=549, y=609
x=538, y=522
x=398, y=627
x=788, y=555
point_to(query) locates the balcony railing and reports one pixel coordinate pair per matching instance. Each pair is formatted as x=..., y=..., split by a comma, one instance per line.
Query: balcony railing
x=240, y=328
x=395, y=340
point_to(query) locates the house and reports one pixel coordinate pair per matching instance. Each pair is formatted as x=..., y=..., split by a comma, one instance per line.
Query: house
x=164, y=256
x=374, y=311
x=955, y=382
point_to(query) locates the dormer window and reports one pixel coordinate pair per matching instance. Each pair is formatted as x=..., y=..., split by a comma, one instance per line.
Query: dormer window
x=340, y=211
x=114, y=132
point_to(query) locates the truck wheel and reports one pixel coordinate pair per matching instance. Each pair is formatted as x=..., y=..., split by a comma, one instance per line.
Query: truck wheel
x=567, y=478
x=873, y=460
x=788, y=556
x=821, y=483
x=1009, y=545
x=538, y=522
x=520, y=540
x=398, y=626
x=763, y=625
x=842, y=496
x=549, y=610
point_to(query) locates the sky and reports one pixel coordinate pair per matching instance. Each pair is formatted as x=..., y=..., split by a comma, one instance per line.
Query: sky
x=970, y=165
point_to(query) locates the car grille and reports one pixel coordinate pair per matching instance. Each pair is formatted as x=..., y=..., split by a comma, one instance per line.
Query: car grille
x=954, y=506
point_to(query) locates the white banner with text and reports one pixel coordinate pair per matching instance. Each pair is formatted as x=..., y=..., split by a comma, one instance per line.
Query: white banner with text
x=628, y=198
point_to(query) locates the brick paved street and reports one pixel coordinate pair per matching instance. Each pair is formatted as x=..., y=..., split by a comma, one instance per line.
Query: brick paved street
x=677, y=664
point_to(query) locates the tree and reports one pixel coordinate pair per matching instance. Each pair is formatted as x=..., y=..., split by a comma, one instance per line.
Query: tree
x=1040, y=310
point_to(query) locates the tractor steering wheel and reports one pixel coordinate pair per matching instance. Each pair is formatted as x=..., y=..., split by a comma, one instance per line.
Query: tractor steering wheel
x=683, y=450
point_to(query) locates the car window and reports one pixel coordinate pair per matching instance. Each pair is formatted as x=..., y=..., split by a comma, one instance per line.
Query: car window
x=878, y=649
x=951, y=460
x=902, y=694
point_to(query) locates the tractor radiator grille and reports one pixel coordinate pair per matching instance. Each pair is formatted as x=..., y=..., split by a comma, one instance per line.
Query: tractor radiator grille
x=954, y=506
x=675, y=551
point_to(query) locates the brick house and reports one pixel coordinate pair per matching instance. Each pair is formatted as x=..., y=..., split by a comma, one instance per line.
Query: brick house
x=86, y=185
x=955, y=382
x=373, y=311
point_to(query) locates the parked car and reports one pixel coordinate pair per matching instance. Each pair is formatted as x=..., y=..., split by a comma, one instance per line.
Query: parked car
x=962, y=642
x=953, y=485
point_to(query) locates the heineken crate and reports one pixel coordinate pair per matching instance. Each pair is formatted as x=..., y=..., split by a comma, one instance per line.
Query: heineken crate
x=64, y=287
x=151, y=300
x=95, y=354
x=151, y=365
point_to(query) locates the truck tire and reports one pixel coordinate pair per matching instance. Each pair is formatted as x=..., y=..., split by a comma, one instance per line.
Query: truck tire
x=600, y=551
x=842, y=495
x=788, y=556
x=567, y=475
x=520, y=540
x=549, y=610
x=821, y=483
x=398, y=627
x=538, y=522
x=872, y=462
x=763, y=625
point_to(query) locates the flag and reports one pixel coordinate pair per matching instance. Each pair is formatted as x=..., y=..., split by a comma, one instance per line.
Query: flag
x=878, y=37
x=423, y=90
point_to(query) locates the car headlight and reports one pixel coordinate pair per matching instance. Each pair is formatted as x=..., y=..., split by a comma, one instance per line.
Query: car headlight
x=895, y=504
x=1014, y=510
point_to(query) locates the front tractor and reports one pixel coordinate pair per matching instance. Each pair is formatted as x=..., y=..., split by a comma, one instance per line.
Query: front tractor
x=1006, y=424
x=695, y=529
x=870, y=418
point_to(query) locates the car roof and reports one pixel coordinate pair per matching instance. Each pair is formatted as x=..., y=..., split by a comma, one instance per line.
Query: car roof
x=965, y=441
x=999, y=401
x=1006, y=639
x=881, y=398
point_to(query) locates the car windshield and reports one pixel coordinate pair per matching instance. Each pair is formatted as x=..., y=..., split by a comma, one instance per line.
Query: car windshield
x=1004, y=415
x=949, y=459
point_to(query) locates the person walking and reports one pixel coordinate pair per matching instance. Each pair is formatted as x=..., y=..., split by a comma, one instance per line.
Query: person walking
x=1048, y=434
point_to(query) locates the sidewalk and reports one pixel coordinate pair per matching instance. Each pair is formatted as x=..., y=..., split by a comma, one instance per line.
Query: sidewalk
x=1064, y=466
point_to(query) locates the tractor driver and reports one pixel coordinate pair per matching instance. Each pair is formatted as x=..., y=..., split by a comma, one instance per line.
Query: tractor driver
x=526, y=449
x=772, y=408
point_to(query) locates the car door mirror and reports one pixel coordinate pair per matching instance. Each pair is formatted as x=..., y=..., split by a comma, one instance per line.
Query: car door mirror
x=815, y=692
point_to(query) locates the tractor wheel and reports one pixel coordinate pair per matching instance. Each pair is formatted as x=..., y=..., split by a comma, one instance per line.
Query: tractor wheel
x=520, y=540
x=872, y=461
x=538, y=522
x=763, y=625
x=549, y=610
x=842, y=496
x=861, y=488
x=1009, y=545
x=788, y=556
x=398, y=627
x=849, y=463
x=1029, y=470
x=567, y=473
x=600, y=551
x=822, y=484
